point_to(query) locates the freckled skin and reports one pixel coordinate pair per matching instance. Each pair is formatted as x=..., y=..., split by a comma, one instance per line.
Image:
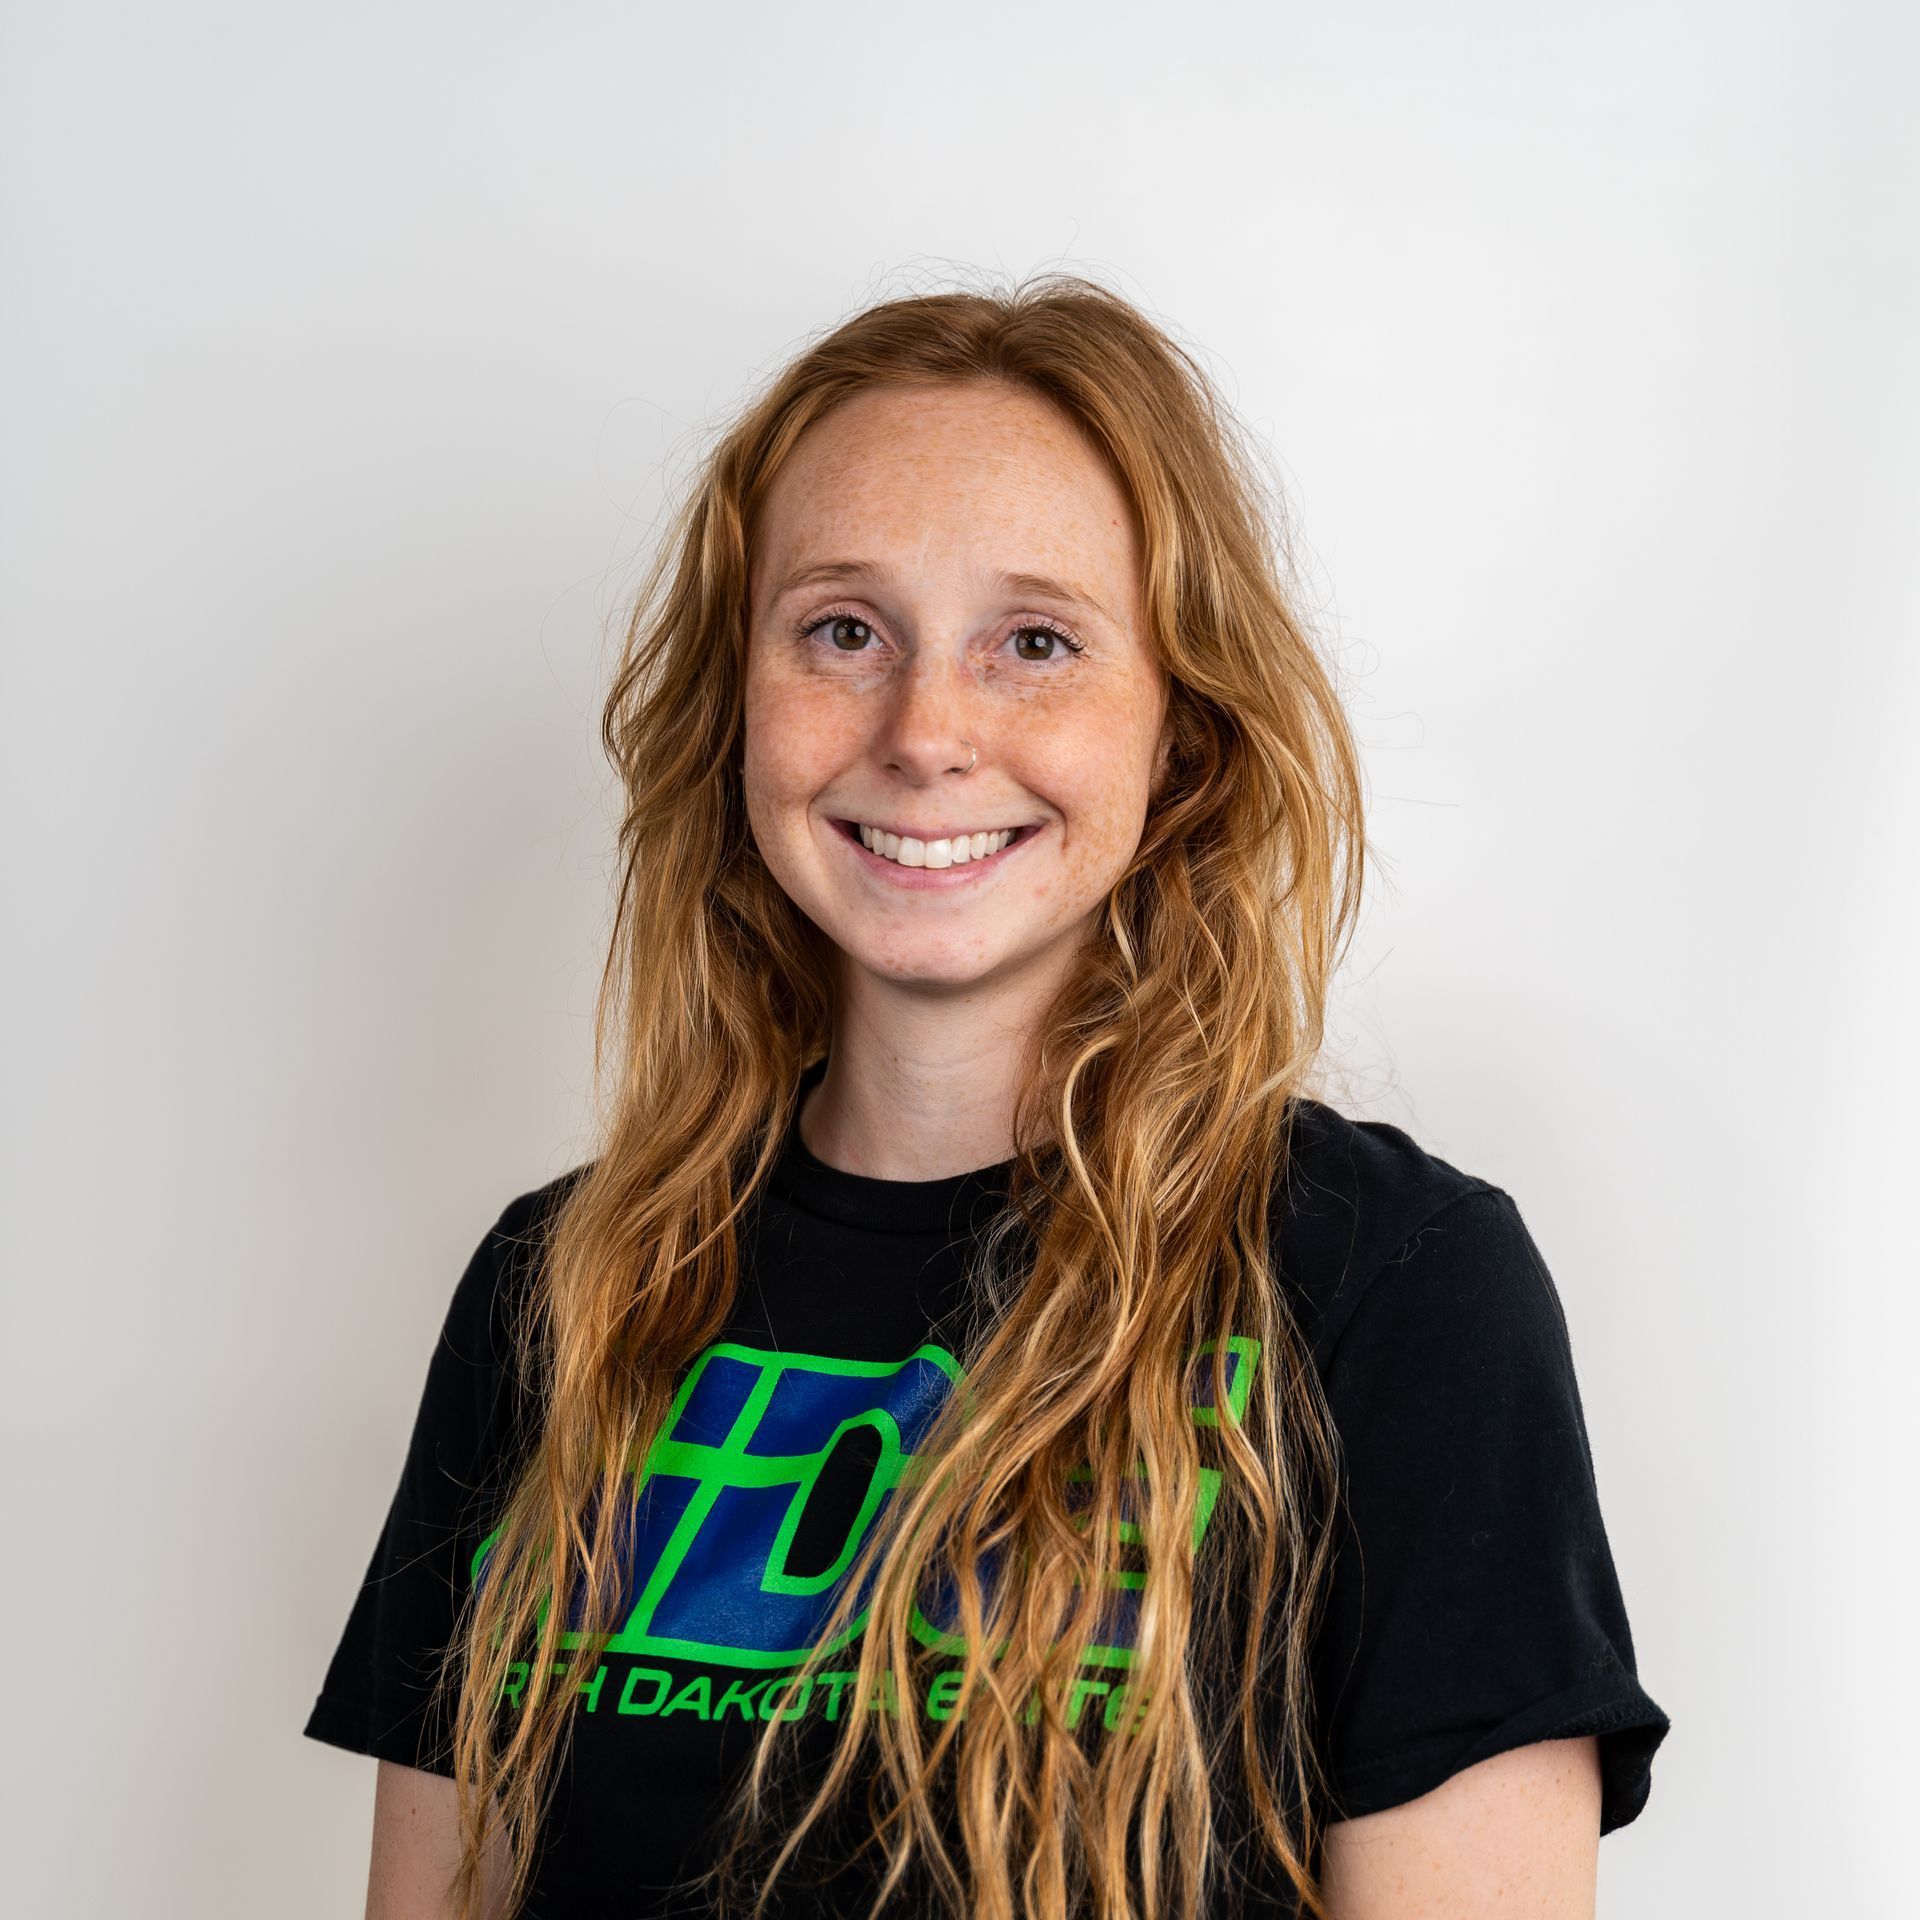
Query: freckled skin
x=947, y=488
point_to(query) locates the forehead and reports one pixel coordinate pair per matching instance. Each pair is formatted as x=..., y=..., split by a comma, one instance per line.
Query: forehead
x=992, y=479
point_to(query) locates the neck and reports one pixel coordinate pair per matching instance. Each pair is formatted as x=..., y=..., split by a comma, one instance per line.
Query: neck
x=921, y=1082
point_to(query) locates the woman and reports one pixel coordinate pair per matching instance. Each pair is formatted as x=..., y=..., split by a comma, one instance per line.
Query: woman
x=1008, y=1449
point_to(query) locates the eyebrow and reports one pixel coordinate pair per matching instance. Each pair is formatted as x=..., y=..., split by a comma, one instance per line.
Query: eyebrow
x=872, y=572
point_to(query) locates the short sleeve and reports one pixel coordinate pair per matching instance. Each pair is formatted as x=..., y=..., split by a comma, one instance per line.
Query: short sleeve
x=1474, y=1606
x=378, y=1695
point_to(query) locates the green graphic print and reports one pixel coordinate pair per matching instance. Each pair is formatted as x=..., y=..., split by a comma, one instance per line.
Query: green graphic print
x=762, y=1448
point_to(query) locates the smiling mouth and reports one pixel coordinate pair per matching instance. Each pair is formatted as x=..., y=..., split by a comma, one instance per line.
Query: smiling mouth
x=935, y=851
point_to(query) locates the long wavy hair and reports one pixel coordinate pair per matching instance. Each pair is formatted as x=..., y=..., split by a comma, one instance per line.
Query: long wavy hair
x=1151, y=1136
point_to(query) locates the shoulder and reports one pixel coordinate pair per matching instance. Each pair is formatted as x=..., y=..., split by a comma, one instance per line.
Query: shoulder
x=1360, y=1199
x=480, y=1400
x=481, y=1317
x=520, y=1233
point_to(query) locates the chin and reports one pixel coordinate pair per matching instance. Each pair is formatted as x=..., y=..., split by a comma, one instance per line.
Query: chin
x=933, y=973
x=937, y=967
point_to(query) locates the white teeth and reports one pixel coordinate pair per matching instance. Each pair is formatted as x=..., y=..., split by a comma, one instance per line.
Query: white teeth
x=906, y=851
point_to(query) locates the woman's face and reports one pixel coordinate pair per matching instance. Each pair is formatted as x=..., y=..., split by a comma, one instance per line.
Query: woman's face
x=934, y=567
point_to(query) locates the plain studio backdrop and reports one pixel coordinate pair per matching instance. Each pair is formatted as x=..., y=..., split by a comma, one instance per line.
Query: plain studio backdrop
x=348, y=352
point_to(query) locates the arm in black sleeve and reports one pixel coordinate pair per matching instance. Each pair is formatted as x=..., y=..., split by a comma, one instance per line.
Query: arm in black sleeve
x=378, y=1695
x=1475, y=1606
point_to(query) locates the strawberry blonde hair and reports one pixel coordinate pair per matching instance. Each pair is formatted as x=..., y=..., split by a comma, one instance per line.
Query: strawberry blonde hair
x=1150, y=1138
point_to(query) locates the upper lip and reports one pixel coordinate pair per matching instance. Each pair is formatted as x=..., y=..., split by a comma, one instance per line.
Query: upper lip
x=936, y=833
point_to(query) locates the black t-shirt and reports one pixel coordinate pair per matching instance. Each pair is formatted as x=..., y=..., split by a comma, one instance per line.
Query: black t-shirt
x=1474, y=1605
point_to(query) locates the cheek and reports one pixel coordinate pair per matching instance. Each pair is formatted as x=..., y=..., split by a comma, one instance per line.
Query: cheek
x=792, y=742
x=1095, y=765
x=1095, y=773
x=1104, y=828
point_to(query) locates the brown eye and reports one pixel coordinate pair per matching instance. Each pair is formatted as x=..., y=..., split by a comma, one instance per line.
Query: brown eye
x=843, y=621
x=1051, y=643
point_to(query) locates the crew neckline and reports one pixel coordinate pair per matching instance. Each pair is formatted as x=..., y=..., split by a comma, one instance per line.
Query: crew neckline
x=945, y=1205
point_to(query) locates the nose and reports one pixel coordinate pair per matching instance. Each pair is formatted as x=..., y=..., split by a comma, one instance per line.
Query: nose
x=930, y=711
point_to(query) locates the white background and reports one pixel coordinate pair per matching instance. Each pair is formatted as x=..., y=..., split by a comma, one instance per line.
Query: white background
x=347, y=350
